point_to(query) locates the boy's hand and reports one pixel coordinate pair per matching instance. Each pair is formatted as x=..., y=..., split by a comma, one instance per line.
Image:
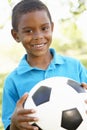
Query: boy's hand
x=84, y=85
x=20, y=119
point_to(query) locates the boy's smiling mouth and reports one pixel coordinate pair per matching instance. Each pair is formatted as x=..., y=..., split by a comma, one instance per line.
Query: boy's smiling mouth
x=38, y=46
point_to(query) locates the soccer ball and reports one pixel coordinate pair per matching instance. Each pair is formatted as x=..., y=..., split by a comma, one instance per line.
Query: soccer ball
x=59, y=103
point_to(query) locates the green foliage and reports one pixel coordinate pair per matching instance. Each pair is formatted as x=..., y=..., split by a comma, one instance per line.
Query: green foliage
x=78, y=7
x=84, y=61
x=9, y=1
x=72, y=37
x=70, y=30
x=2, y=77
x=77, y=45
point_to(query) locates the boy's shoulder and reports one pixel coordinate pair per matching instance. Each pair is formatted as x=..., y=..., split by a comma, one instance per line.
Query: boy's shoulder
x=63, y=59
x=66, y=58
x=11, y=74
x=62, y=56
x=70, y=58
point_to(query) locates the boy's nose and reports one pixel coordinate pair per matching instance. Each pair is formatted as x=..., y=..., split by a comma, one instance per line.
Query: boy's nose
x=37, y=36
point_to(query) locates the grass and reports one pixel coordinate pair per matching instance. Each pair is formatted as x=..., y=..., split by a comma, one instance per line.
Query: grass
x=2, y=77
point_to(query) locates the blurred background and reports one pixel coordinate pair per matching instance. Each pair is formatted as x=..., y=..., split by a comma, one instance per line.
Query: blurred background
x=69, y=37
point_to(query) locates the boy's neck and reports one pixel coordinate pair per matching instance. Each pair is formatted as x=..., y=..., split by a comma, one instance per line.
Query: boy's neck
x=40, y=61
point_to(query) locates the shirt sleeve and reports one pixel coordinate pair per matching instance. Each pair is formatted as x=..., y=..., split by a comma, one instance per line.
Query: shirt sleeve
x=9, y=100
x=82, y=73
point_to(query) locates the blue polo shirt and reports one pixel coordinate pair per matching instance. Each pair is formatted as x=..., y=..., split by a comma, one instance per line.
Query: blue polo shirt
x=24, y=77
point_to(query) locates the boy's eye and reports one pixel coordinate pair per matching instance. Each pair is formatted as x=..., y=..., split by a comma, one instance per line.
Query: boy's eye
x=45, y=28
x=28, y=31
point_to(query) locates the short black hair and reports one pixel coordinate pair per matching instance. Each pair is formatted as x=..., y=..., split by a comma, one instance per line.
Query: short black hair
x=25, y=6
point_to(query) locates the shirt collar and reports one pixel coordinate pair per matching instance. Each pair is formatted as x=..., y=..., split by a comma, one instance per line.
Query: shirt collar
x=57, y=58
x=24, y=67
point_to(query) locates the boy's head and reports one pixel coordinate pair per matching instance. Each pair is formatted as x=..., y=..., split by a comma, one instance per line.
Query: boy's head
x=33, y=27
x=26, y=6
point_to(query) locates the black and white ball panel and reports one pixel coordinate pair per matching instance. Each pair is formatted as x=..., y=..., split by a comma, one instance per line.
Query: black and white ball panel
x=75, y=85
x=39, y=98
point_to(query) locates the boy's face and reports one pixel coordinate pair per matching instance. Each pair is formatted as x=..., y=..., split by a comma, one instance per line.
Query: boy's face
x=35, y=32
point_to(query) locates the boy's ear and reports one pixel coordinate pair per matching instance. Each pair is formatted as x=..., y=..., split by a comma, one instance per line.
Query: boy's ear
x=15, y=35
x=52, y=26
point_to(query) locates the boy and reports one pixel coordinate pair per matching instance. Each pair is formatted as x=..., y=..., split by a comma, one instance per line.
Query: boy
x=33, y=27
